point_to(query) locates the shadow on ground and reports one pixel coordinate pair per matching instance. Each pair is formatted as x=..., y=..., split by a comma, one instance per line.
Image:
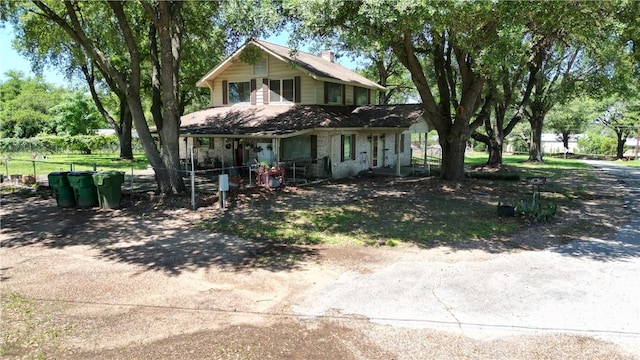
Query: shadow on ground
x=607, y=250
x=163, y=241
x=164, y=238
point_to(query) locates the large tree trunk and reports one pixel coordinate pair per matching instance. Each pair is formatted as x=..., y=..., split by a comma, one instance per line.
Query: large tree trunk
x=565, y=140
x=453, y=150
x=144, y=134
x=494, y=147
x=495, y=153
x=170, y=28
x=620, y=146
x=126, y=151
x=496, y=136
x=535, y=144
x=454, y=146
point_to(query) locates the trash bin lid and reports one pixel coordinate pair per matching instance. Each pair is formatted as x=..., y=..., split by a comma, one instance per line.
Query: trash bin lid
x=99, y=177
x=80, y=173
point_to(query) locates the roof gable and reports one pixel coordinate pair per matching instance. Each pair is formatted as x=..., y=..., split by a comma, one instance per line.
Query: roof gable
x=314, y=66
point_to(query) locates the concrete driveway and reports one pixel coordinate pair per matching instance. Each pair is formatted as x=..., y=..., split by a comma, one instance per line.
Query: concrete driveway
x=588, y=288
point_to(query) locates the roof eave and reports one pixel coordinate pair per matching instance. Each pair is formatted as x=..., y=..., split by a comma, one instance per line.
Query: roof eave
x=338, y=81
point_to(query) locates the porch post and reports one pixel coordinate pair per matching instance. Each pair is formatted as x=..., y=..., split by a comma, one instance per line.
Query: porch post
x=275, y=143
x=224, y=146
x=397, y=154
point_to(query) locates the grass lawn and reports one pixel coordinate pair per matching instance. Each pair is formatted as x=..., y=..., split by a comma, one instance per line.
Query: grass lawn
x=24, y=164
x=630, y=163
x=425, y=211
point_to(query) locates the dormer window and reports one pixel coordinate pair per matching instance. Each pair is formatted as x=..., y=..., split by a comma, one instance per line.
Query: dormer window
x=239, y=92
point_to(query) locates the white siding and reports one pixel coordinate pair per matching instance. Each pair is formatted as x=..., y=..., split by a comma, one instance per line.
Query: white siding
x=348, y=95
x=311, y=90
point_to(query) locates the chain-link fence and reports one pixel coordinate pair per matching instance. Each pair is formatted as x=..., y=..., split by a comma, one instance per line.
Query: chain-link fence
x=202, y=180
x=198, y=180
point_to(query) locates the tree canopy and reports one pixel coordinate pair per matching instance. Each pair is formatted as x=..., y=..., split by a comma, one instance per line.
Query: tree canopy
x=136, y=47
x=26, y=104
x=456, y=51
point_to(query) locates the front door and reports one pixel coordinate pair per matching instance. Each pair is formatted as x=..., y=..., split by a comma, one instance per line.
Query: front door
x=374, y=151
x=239, y=153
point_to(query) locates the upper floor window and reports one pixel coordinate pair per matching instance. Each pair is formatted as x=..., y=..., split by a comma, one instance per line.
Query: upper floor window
x=360, y=95
x=260, y=66
x=281, y=90
x=333, y=93
x=239, y=92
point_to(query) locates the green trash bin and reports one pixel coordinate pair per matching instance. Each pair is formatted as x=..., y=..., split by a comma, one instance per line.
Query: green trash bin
x=109, y=185
x=61, y=189
x=83, y=188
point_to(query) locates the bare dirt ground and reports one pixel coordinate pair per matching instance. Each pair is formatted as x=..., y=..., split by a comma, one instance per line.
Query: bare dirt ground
x=143, y=282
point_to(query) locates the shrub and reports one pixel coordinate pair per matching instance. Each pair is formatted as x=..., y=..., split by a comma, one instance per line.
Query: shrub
x=535, y=212
x=597, y=144
x=59, y=144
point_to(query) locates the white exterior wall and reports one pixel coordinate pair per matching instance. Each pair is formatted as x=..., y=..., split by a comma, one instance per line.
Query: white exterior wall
x=405, y=156
x=323, y=149
x=348, y=95
x=328, y=144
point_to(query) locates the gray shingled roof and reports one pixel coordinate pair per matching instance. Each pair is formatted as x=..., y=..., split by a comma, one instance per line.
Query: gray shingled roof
x=313, y=65
x=286, y=119
x=317, y=65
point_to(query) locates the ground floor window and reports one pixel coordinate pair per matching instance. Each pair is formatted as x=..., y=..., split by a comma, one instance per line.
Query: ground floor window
x=205, y=142
x=347, y=147
x=298, y=148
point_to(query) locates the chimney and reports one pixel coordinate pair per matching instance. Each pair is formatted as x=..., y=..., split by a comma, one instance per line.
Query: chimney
x=328, y=55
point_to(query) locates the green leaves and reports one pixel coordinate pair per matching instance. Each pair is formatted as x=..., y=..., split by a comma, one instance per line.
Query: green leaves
x=76, y=115
x=25, y=105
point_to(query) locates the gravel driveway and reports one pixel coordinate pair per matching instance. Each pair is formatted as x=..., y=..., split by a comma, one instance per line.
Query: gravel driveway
x=589, y=288
x=142, y=282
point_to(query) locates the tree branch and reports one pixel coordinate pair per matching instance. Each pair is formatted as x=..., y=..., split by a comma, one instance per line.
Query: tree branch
x=76, y=32
x=406, y=55
x=90, y=77
x=129, y=39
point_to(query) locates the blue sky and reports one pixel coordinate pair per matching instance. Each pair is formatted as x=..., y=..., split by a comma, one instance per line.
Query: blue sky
x=11, y=60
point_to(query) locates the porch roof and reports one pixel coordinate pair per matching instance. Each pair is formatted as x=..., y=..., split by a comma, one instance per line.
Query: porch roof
x=278, y=120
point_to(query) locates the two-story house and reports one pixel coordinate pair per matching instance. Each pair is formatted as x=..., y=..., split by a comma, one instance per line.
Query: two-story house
x=271, y=104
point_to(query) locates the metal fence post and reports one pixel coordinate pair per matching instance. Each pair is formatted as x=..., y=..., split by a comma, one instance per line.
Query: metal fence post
x=131, y=179
x=193, y=182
